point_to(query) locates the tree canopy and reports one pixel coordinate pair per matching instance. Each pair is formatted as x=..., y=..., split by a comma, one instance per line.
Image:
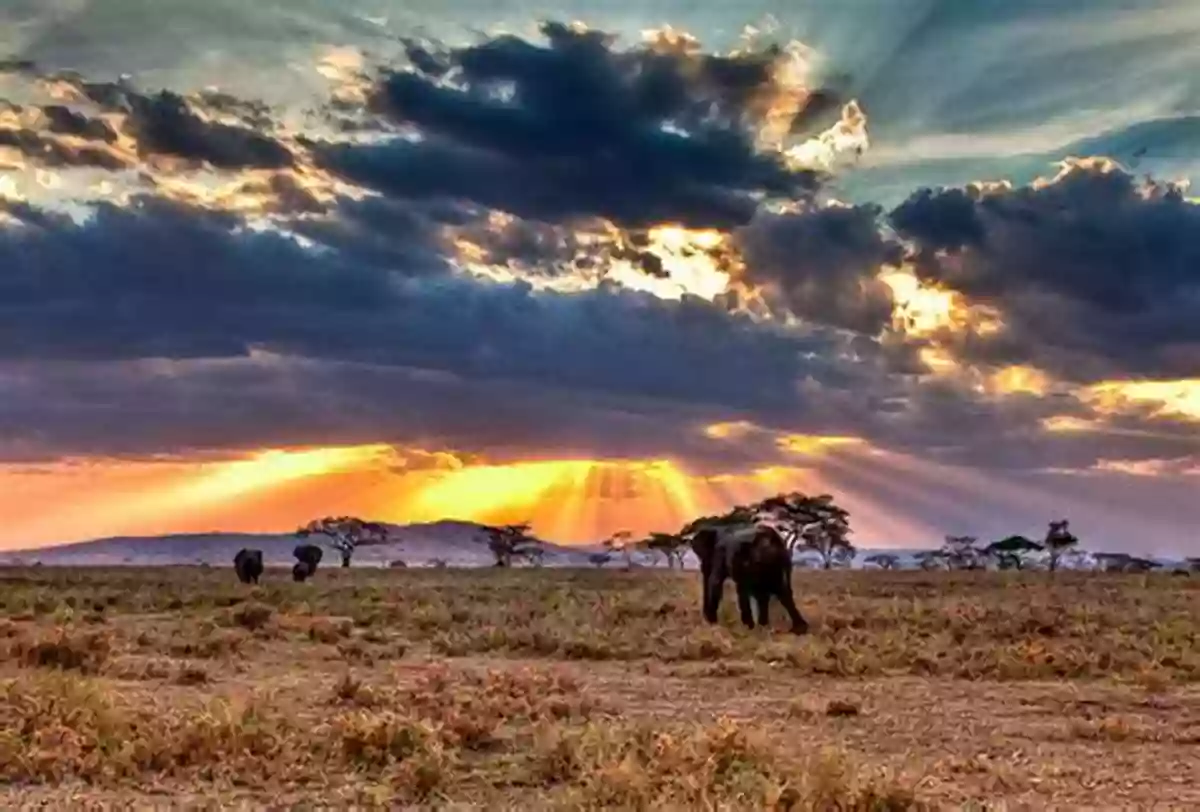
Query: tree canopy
x=814, y=523
x=346, y=533
x=1058, y=541
x=1010, y=553
x=672, y=546
x=508, y=542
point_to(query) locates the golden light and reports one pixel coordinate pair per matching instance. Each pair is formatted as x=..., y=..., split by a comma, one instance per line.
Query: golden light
x=1018, y=379
x=814, y=444
x=1179, y=398
x=735, y=430
x=938, y=360
x=226, y=480
x=1142, y=468
x=690, y=262
x=823, y=152
x=1066, y=423
x=920, y=309
x=484, y=489
x=344, y=67
x=565, y=500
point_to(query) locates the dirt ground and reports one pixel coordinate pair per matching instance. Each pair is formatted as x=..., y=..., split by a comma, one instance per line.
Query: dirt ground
x=283, y=697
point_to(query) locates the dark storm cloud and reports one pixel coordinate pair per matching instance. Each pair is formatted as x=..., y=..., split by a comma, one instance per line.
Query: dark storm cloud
x=65, y=121
x=168, y=281
x=578, y=128
x=533, y=248
x=161, y=327
x=141, y=409
x=397, y=235
x=50, y=152
x=1094, y=274
x=824, y=262
x=164, y=123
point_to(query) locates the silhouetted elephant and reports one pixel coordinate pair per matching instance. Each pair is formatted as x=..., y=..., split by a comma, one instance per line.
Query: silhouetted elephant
x=309, y=554
x=249, y=565
x=758, y=560
x=301, y=571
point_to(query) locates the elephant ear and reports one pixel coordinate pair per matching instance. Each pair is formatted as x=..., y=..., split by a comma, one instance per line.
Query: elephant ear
x=704, y=543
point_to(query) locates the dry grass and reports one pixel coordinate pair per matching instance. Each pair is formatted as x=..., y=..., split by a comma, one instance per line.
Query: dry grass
x=569, y=689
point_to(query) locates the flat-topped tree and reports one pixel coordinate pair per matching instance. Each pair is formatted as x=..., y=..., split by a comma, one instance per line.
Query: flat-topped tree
x=1058, y=541
x=885, y=561
x=673, y=547
x=814, y=523
x=621, y=542
x=961, y=553
x=511, y=541
x=346, y=533
x=1010, y=552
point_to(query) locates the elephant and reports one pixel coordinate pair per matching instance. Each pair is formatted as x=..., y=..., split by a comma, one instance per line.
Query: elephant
x=249, y=565
x=309, y=554
x=301, y=571
x=758, y=560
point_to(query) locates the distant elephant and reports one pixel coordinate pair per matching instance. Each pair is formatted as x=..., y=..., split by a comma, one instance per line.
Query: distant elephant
x=301, y=571
x=398, y=565
x=758, y=560
x=309, y=554
x=249, y=565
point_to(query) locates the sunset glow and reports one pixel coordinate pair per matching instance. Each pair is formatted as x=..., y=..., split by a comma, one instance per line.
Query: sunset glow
x=1178, y=398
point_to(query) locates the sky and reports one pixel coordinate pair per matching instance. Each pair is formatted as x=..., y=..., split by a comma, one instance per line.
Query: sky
x=600, y=266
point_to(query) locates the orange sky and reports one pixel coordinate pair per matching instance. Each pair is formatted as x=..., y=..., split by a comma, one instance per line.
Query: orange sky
x=567, y=500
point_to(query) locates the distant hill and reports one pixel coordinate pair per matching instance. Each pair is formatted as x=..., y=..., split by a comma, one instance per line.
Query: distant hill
x=459, y=544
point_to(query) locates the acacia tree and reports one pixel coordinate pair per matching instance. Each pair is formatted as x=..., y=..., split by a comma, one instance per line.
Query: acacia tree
x=885, y=561
x=815, y=523
x=960, y=553
x=1010, y=553
x=621, y=542
x=1058, y=541
x=672, y=546
x=511, y=541
x=346, y=533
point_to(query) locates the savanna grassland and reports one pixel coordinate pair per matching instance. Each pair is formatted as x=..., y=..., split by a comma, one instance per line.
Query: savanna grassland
x=532, y=689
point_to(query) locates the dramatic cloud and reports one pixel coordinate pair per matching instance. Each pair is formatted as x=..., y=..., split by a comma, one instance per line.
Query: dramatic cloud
x=825, y=264
x=162, y=124
x=1093, y=273
x=158, y=279
x=578, y=128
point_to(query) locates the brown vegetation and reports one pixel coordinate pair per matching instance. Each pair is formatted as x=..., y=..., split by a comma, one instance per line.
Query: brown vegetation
x=530, y=688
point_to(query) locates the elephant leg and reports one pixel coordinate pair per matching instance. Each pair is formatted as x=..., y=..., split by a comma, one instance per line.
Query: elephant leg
x=783, y=590
x=743, y=595
x=714, y=585
x=763, y=598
